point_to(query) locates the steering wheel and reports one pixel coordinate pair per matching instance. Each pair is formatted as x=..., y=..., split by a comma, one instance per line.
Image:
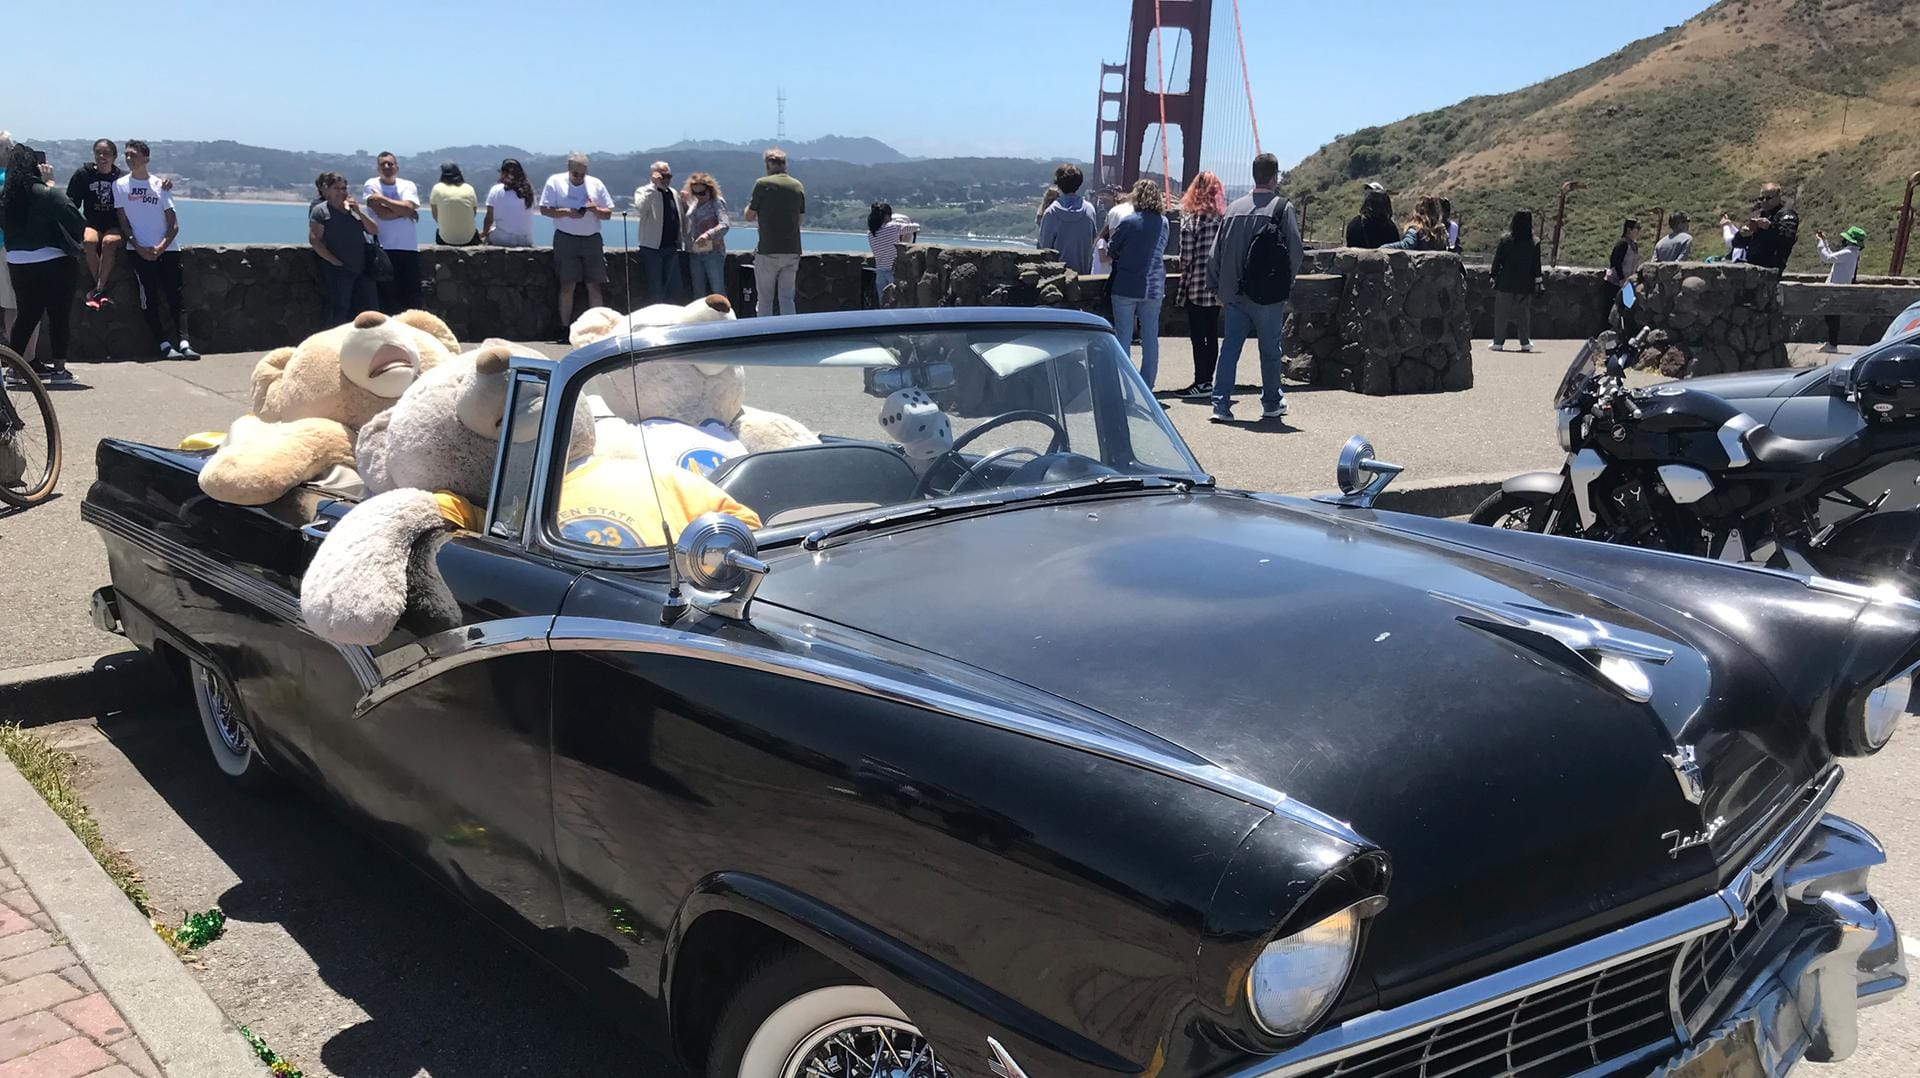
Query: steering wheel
x=1057, y=444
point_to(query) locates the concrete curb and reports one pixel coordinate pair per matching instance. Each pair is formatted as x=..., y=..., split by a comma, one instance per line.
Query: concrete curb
x=1448, y=496
x=183, y=1030
x=79, y=688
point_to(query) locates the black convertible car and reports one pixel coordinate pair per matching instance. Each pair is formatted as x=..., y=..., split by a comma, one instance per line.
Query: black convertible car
x=1036, y=754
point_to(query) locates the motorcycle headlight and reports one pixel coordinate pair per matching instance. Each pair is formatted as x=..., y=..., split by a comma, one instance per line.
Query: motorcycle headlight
x=1568, y=417
x=1881, y=713
x=1296, y=979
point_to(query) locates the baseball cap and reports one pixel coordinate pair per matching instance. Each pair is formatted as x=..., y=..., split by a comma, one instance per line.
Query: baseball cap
x=1376, y=187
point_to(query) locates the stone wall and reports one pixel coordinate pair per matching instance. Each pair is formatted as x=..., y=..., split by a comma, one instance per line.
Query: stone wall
x=1573, y=305
x=244, y=299
x=1398, y=324
x=1709, y=318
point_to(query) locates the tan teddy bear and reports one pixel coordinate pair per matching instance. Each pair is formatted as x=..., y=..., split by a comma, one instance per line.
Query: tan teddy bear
x=310, y=400
x=695, y=414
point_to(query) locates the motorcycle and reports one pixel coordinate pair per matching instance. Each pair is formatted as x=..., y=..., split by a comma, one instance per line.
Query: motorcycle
x=1680, y=469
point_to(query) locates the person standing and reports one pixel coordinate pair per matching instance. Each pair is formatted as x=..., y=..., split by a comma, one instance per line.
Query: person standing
x=1068, y=225
x=9, y=306
x=1846, y=269
x=1251, y=269
x=1139, y=282
x=1121, y=209
x=455, y=206
x=1201, y=210
x=1677, y=244
x=1516, y=277
x=886, y=231
x=338, y=232
x=1047, y=198
x=1771, y=229
x=91, y=189
x=1453, y=225
x=152, y=229
x=1622, y=264
x=707, y=224
x=509, y=220
x=1373, y=227
x=395, y=205
x=577, y=203
x=777, y=205
x=660, y=212
x=43, y=230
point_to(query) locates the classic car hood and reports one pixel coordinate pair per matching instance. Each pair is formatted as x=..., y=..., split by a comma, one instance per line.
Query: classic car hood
x=1524, y=800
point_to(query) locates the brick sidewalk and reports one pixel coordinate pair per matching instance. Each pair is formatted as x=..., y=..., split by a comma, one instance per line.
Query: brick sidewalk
x=54, y=1020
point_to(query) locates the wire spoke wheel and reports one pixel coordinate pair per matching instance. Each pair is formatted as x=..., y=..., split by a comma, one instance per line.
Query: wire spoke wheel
x=29, y=435
x=867, y=1046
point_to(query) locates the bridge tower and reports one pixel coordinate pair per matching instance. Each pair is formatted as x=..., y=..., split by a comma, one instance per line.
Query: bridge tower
x=1122, y=140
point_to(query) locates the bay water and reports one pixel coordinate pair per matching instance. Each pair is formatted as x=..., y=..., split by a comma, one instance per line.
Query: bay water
x=224, y=221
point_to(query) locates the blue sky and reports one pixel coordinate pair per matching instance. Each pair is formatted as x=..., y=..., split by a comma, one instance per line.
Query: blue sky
x=931, y=78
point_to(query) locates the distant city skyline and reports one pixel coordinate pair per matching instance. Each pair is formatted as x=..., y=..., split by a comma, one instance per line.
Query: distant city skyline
x=1011, y=79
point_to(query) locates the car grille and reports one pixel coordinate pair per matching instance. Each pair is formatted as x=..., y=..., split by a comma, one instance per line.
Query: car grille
x=1715, y=963
x=1561, y=1031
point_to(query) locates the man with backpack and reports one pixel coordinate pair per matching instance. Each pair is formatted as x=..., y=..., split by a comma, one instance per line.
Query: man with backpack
x=1255, y=259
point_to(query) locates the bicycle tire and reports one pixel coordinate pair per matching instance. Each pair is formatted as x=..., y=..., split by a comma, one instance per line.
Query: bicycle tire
x=24, y=386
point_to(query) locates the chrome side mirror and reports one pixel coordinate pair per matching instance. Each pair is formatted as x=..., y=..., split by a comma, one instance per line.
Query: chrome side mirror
x=716, y=561
x=1360, y=475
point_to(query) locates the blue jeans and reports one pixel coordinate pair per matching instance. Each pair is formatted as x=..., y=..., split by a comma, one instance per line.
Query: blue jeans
x=1263, y=321
x=881, y=279
x=659, y=274
x=1130, y=313
x=709, y=273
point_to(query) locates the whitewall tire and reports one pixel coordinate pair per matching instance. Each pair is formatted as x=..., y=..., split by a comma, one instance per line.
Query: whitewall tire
x=229, y=736
x=797, y=1018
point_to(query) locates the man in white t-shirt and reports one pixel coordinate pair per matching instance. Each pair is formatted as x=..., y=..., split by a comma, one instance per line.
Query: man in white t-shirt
x=145, y=209
x=395, y=205
x=577, y=203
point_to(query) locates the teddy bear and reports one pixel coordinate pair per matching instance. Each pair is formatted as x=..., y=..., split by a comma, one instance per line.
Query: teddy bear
x=310, y=400
x=694, y=414
x=430, y=459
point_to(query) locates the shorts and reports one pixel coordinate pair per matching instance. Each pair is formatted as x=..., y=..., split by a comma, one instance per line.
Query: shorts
x=579, y=258
x=104, y=223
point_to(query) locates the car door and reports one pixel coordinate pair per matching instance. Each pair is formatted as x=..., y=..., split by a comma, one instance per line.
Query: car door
x=445, y=748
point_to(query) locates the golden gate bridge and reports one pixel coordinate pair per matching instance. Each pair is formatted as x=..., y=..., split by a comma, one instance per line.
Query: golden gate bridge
x=1160, y=117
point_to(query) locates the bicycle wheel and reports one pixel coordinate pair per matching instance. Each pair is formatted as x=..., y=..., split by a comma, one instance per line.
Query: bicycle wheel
x=29, y=435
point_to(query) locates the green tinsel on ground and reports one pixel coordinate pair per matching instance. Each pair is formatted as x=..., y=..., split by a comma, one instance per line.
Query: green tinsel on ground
x=280, y=1067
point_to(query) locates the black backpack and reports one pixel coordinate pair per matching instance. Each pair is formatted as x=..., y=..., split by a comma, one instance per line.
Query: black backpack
x=1266, y=272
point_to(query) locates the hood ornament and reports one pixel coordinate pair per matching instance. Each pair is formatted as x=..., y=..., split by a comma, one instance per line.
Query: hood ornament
x=1360, y=474
x=1686, y=768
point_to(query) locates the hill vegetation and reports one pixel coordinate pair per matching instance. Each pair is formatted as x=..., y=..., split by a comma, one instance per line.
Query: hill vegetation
x=1818, y=95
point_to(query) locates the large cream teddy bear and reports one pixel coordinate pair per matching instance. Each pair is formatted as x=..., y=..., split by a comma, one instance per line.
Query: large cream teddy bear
x=430, y=458
x=309, y=402
x=694, y=414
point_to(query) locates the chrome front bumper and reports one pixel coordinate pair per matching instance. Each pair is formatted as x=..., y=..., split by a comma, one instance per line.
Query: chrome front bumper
x=1770, y=970
x=1840, y=951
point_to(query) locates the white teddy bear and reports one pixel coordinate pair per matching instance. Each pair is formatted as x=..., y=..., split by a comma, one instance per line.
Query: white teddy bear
x=694, y=415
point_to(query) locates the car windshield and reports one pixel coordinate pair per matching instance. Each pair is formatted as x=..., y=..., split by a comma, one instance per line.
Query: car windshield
x=788, y=431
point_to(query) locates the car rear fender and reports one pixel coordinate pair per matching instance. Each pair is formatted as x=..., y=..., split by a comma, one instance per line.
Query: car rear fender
x=957, y=1012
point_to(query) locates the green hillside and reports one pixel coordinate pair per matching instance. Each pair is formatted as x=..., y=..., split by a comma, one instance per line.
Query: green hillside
x=1822, y=96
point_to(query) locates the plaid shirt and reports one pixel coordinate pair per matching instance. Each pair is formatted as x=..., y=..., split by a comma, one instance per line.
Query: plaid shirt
x=1197, y=233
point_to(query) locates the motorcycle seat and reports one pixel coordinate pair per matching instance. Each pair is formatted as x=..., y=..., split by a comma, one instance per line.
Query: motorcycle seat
x=1778, y=451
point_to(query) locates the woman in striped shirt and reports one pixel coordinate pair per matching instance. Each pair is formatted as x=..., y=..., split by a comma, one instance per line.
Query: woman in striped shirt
x=886, y=230
x=1201, y=210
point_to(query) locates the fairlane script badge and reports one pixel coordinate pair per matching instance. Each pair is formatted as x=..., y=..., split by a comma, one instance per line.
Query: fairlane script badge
x=1698, y=838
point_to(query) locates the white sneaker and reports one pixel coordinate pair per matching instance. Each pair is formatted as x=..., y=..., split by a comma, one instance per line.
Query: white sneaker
x=168, y=351
x=1276, y=411
x=1498, y=347
x=186, y=350
x=1830, y=349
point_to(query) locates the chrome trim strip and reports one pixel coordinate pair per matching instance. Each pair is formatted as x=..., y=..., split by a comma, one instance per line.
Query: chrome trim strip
x=593, y=634
x=1760, y=869
x=279, y=602
x=429, y=657
x=1622, y=945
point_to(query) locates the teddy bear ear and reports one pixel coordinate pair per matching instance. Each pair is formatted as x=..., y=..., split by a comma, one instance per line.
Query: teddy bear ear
x=493, y=360
x=718, y=303
x=369, y=320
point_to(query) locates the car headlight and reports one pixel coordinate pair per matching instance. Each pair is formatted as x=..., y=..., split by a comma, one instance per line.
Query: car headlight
x=1883, y=709
x=1294, y=982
